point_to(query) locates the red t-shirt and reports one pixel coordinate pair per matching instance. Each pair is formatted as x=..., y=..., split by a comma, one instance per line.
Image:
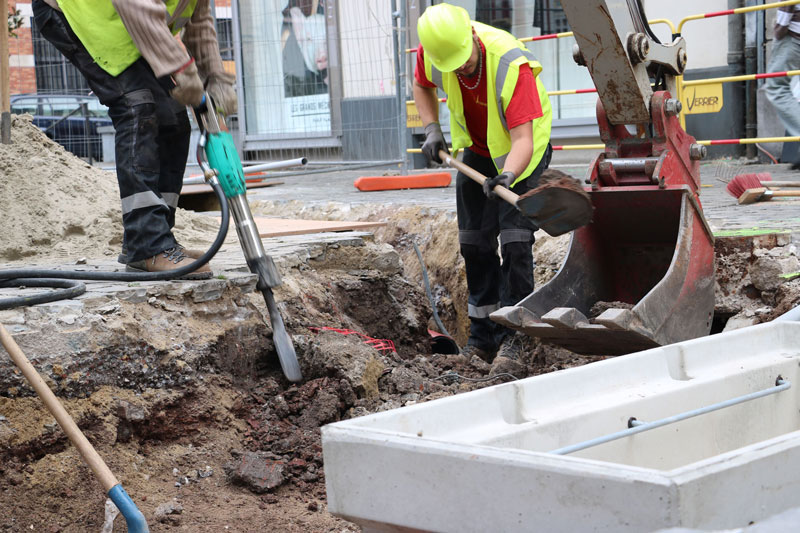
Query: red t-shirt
x=524, y=106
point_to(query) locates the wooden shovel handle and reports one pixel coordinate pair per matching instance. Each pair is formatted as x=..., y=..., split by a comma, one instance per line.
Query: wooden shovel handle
x=79, y=440
x=473, y=174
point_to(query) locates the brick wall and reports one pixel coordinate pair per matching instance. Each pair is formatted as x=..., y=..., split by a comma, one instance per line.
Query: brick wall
x=20, y=54
x=22, y=72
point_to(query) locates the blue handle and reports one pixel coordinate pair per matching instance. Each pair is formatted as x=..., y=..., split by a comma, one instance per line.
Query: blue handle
x=133, y=516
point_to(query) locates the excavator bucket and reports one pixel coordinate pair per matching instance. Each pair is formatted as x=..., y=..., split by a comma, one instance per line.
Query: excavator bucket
x=646, y=261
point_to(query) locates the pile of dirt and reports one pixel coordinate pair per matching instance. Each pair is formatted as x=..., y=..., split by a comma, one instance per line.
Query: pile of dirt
x=57, y=207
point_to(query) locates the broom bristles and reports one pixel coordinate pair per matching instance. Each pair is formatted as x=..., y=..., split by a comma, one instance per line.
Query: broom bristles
x=742, y=182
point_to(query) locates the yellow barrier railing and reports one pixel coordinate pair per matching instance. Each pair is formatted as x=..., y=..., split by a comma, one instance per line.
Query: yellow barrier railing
x=743, y=77
x=712, y=142
x=736, y=11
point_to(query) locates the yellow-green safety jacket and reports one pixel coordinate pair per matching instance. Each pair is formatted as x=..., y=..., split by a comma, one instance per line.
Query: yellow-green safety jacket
x=102, y=33
x=504, y=55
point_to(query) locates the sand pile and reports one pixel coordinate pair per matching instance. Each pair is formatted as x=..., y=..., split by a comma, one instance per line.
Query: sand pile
x=58, y=208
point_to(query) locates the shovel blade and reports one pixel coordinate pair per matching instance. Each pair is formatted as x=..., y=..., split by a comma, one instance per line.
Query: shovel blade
x=556, y=210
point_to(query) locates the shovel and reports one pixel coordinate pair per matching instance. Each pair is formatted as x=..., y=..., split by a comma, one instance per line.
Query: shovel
x=133, y=517
x=556, y=210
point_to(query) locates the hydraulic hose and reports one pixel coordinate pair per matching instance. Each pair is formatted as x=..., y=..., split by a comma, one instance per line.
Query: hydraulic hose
x=24, y=277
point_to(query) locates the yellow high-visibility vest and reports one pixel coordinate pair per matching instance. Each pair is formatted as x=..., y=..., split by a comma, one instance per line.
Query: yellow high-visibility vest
x=102, y=33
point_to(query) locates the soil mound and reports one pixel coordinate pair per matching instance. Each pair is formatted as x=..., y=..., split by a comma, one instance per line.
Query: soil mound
x=58, y=207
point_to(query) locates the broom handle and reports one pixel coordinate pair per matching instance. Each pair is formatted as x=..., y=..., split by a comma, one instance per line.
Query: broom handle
x=79, y=440
x=785, y=194
x=771, y=184
x=470, y=172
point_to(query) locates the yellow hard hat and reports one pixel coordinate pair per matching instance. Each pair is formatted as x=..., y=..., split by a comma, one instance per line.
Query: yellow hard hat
x=445, y=32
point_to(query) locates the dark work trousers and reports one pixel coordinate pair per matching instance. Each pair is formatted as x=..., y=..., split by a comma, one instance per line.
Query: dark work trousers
x=490, y=283
x=151, y=141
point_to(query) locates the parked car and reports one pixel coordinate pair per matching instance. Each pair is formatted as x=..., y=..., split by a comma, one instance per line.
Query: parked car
x=70, y=120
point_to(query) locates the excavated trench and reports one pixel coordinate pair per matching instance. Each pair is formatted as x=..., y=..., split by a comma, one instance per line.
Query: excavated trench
x=187, y=402
x=179, y=388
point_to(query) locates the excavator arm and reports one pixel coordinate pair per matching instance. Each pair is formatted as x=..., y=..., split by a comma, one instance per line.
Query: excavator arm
x=641, y=274
x=614, y=41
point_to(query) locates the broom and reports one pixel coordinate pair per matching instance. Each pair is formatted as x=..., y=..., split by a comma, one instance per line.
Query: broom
x=739, y=184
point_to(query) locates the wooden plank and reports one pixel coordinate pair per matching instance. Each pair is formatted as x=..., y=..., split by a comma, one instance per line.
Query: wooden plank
x=203, y=188
x=278, y=227
x=201, y=197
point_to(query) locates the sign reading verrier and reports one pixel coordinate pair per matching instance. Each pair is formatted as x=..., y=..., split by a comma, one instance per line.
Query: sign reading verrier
x=705, y=98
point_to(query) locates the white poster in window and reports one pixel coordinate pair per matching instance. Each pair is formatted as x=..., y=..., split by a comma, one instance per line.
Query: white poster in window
x=305, y=65
x=285, y=67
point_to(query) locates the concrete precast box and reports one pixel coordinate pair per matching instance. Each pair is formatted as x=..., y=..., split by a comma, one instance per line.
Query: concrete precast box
x=483, y=461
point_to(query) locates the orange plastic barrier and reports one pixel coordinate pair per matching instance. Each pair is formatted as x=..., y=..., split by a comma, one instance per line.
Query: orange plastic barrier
x=413, y=181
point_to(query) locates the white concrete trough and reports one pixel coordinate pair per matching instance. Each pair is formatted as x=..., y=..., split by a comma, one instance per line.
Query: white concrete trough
x=483, y=461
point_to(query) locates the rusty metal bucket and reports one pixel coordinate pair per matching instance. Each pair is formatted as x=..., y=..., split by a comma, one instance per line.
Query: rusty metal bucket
x=647, y=247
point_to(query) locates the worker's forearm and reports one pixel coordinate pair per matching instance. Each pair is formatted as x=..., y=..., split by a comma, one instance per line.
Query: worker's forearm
x=427, y=104
x=146, y=22
x=521, y=149
x=200, y=39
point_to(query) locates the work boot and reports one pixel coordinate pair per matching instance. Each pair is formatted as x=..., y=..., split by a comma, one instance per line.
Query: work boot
x=511, y=347
x=470, y=349
x=188, y=252
x=169, y=260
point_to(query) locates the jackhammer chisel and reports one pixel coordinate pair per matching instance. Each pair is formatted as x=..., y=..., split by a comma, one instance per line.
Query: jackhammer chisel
x=219, y=161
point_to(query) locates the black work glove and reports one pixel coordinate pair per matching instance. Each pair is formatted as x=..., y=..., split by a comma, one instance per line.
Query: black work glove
x=434, y=141
x=505, y=179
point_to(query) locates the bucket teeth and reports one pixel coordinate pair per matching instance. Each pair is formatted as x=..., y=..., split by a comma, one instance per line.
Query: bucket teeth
x=565, y=317
x=617, y=319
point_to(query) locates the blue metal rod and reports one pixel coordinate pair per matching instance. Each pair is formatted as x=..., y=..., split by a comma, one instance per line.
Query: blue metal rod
x=639, y=427
x=133, y=516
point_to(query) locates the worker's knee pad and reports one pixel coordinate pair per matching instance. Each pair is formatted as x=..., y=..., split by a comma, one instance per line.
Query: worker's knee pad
x=521, y=236
x=477, y=242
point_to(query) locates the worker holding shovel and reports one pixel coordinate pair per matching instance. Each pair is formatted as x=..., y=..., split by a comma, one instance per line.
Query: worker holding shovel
x=500, y=114
x=131, y=61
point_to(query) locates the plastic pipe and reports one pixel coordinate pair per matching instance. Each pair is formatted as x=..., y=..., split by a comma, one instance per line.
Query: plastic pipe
x=275, y=165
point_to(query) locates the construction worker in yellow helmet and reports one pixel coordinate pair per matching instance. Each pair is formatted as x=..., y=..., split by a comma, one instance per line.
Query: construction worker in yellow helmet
x=501, y=116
